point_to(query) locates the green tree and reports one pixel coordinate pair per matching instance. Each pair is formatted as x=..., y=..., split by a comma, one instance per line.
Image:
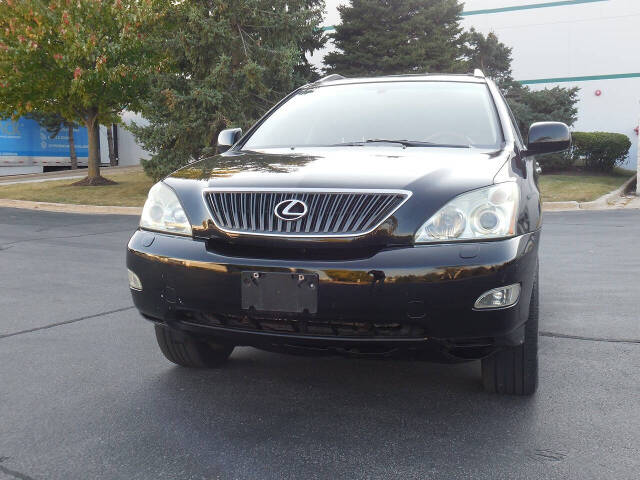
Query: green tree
x=53, y=123
x=85, y=60
x=528, y=106
x=386, y=37
x=231, y=61
x=489, y=55
x=550, y=104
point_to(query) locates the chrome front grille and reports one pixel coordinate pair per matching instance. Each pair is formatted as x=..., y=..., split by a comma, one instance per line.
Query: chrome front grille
x=329, y=212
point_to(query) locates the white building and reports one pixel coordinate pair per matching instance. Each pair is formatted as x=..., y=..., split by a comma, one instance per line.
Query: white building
x=591, y=44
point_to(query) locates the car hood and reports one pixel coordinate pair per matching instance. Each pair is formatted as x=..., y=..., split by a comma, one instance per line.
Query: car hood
x=434, y=175
x=348, y=167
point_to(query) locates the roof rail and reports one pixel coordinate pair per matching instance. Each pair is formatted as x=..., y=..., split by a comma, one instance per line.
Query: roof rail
x=330, y=78
x=478, y=73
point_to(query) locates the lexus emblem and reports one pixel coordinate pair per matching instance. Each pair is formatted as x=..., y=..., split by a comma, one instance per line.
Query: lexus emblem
x=290, y=210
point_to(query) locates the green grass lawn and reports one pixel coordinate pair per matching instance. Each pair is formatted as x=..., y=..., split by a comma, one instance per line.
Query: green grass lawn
x=131, y=191
x=579, y=186
x=132, y=188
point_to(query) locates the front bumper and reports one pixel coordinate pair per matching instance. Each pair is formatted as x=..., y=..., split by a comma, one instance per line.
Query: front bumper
x=427, y=290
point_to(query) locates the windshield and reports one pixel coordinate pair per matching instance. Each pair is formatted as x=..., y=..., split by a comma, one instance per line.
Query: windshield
x=413, y=113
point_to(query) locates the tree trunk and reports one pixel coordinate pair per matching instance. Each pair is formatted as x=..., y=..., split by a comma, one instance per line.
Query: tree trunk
x=112, y=153
x=93, y=172
x=72, y=149
x=94, y=148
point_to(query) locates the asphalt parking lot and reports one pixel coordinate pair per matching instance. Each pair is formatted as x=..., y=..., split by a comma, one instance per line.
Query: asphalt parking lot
x=85, y=392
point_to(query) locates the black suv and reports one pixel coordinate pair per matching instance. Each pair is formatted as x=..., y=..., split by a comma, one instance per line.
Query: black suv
x=390, y=216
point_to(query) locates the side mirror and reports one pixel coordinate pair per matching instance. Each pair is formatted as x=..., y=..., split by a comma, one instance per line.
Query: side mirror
x=548, y=137
x=227, y=138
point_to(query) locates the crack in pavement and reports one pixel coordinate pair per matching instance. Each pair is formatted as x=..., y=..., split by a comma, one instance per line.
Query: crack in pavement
x=13, y=473
x=589, y=339
x=548, y=455
x=66, y=322
x=3, y=245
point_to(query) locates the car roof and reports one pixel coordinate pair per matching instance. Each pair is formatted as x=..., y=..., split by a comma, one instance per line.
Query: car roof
x=335, y=79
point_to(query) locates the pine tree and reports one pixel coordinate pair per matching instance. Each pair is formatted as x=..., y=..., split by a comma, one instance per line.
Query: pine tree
x=550, y=104
x=386, y=37
x=491, y=56
x=231, y=61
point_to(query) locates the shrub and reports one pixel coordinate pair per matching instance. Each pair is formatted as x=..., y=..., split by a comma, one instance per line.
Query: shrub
x=600, y=151
x=556, y=161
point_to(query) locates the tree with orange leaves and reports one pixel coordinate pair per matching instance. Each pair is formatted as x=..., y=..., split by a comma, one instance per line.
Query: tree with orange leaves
x=85, y=60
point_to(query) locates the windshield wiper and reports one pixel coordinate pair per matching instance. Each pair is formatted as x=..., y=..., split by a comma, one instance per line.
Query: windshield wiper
x=404, y=143
x=414, y=143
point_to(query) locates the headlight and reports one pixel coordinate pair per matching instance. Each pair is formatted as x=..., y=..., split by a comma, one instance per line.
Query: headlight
x=162, y=212
x=481, y=214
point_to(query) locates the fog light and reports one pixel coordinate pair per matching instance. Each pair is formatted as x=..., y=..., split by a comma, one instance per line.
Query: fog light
x=134, y=281
x=499, y=297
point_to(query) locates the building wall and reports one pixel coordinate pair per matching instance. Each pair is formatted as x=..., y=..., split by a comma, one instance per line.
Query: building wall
x=590, y=44
x=129, y=152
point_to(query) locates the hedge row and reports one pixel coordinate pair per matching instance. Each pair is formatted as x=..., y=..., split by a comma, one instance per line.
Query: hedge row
x=597, y=151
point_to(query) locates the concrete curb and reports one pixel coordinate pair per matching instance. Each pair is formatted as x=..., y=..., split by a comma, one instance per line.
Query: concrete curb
x=64, y=174
x=70, y=208
x=605, y=202
x=560, y=206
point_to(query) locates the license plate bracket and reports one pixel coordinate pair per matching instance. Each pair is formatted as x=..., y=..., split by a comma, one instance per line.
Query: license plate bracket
x=279, y=292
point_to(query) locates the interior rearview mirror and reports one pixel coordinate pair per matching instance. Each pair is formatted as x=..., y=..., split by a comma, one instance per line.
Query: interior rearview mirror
x=548, y=137
x=227, y=138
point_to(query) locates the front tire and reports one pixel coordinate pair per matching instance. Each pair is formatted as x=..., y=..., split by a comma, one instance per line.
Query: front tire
x=186, y=351
x=514, y=370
